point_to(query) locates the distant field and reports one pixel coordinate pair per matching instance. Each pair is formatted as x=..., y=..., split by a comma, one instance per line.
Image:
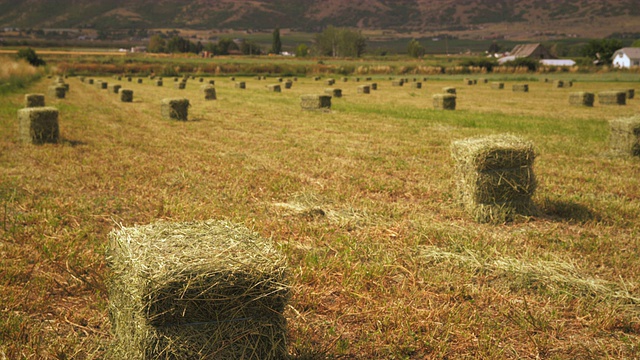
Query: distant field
x=383, y=262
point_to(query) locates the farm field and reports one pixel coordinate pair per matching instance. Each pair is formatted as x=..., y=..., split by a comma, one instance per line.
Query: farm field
x=384, y=264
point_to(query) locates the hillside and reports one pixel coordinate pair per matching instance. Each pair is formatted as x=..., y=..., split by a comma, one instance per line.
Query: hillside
x=310, y=15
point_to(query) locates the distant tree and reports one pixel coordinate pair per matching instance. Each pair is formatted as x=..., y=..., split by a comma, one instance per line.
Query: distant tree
x=224, y=46
x=156, y=44
x=276, y=47
x=494, y=48
x=339, y=42
x=249, y=47
x=601, y=49
x=302, y=50
x=414, y=49
x=636, y=43
x=30, y=56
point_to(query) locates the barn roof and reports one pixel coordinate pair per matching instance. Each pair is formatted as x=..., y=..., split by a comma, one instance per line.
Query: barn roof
x=524, y=50
x=631, y=52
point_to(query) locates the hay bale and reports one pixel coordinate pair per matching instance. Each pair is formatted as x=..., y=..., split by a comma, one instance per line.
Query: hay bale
x=558, y=84
x=212, y=82
x=176, y=79
x=241, y=85
x=180, y=85
x=612, y=98
x=444, y=101
x=467, y=82
x=159, y=83
x=57, y=91
x=333, y=92
x=329, y=82
x=631, y=93
x=103, y=85
x=449, y=90
x=199, y=290
x=38, y=125
x=115, y=88
x=232, y=78
x=316, y=78
x=175, y=109
x=315, y=102
x=497, y=85
x=494, y=177
x=374, y=86
x=397, y=82
x=209, y=92
x=345, y=79
x=520, y=88
x=82, y=79
x=126, y=95
x=201, y=79
x=279, y=79
x=364, y=89
x=416, y=85
x=140, y=81
x=581, y=98
x=33, y=100
x=624, y=138
x=288, y=84
x=274, y=88
x=129, y=78
x=483, y=80
x=66, y=87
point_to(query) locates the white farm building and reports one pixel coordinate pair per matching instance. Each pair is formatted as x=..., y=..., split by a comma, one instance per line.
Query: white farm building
x=626, y=57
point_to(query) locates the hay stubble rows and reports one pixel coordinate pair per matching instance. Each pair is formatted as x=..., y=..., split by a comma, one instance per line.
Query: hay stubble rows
x=353, y=197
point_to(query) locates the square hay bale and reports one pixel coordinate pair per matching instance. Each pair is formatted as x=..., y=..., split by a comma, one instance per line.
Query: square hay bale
x=631, y=93
x=416, y=85
x=38, y=125
x=612, y=97
x=196, y=290
x=57, y=91
x=201, y=79
x=90, y=81
x=103, y=85
x=494, y=177
x=115, y=88
x=279, y=79
x=520, y=88
x=558, y=84
x=624, y=138
x=129, y=78
x=176, y=79
x=329, y=82
x=581, y=98
x=159, y=83
x=119, y=78
x=232, y=78
x=316, y=78
x=295, y=78
x=315, y=102
x=241, y=85
x=258, y=77
x=126, y=95
x=333, y=92
x=449, y=90
x=212, y=82
x=497, y=85
x=397, y=82
x=82, y=79
x=345, y=79
x=175, y=109
x=33, y=100
x=483, y=80
x=66, y=87
x=180, y=85
x=444, y=101
x=288, y=84
x=140, y=81
x=368, y=79
x=467, y=82
x=209, y=92
x=274, y=88
x=374, y=86
x=364, y=89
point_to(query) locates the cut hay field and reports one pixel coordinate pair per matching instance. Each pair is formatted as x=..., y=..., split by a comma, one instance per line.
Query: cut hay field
x=383, y=262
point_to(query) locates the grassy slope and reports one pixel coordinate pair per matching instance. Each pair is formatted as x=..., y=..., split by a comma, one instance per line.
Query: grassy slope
x=393, y=269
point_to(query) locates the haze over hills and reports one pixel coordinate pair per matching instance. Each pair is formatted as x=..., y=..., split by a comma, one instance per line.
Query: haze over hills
x=603, y=16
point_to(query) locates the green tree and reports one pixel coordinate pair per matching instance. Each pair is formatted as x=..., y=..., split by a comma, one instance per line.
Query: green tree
x=302, y=50
x=340, y=42
x=636, y=43
x=414, y=49
x=249, y=47
x=156, y=44
x=494, y=48
x=30, y=56
x=276, y=47
x=601, y=49
x=224, y=46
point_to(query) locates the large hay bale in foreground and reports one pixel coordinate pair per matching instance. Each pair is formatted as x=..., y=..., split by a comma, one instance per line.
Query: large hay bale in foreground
x=274, y=88
x=494, y=177
x=175, y=109
x=126, y=95
x=612, y=97
x=497, y=85
x=444, y=101
x=57, y=91
x=38, y=125
x=209, y=92
x=449, y=90
x=520, y=88
x=199, y=290
x=33, y=100
x=581, y=98
x=364, y=89
x=624, y=138
x=315, y=102
x=333, y=92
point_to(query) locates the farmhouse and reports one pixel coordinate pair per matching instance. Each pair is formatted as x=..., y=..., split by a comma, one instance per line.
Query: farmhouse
x=626, y=57
x=531, y=51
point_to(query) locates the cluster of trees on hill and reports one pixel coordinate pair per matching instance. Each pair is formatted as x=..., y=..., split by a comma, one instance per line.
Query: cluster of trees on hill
x=176, y=44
